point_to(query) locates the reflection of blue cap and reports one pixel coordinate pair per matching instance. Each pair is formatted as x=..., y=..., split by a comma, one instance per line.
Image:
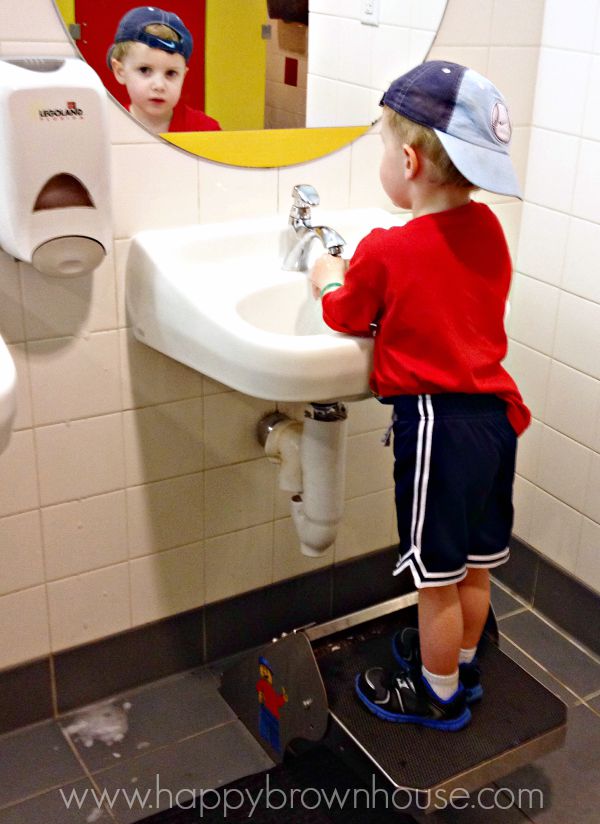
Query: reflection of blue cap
x=263, y=662
x=469, y=116
x=133, y=24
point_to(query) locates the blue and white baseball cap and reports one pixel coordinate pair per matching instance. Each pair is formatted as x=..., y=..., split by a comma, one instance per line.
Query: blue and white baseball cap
x=132, y=26
x=467, y=113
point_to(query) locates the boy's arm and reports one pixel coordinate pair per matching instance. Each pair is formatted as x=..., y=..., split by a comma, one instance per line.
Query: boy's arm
x=352, y=307
x=327, y=271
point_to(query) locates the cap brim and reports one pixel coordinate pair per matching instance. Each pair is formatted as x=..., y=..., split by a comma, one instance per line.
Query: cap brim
x=485, y=168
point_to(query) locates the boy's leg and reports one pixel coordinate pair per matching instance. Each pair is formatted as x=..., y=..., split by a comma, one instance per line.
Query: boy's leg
x=474, y=595
x=440, y=628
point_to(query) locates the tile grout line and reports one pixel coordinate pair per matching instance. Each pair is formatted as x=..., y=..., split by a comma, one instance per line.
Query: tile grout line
x=512, y=613
x=590, y=696
x=57, y=787
x=559, y=631
x=590, y=708
x=89, y=775
x=87, y=772
x=179, y=741
x=502, y=586
x=546, y=620
x=540, y=665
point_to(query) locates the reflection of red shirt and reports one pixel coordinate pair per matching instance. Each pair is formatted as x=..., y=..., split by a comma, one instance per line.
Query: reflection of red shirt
x=272, y=701
x=186, y=119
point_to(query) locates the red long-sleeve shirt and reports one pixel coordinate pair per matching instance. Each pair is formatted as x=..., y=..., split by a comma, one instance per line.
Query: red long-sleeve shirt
x=186, y=119
x=437, y=288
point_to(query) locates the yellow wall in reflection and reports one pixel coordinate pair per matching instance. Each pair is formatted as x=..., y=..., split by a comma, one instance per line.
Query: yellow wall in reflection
x=67, y=10
x=236, y=63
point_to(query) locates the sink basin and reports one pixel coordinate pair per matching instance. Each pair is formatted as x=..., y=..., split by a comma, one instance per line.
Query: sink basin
x=8, y=395
x=215, y=297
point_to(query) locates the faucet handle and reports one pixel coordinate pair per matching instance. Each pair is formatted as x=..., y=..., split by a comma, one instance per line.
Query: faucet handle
x=305, y=195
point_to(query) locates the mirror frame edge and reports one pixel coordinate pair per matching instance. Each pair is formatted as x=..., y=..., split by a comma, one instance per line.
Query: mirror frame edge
x=266, y=148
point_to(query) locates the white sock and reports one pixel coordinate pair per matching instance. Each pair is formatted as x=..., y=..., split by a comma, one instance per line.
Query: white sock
x=444, y=686
x=465, y=656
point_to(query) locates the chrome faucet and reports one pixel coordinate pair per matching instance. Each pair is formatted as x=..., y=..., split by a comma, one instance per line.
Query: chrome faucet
x=301, y=232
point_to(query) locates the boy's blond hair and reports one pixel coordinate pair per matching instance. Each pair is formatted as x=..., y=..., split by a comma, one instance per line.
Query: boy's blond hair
x=120, y=50
x=440, y=169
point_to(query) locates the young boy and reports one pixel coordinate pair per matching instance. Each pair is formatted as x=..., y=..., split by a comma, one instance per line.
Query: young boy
x=436, y=289
x=149, y=56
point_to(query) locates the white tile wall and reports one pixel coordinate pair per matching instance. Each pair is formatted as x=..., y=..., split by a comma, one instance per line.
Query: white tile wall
x=542, y=243
x=531, y=371
x=529, y=298
x=345, y=85
x=560, y=103
x=517, y=23
x=580, y=270
x=585, y=195
x=559, y=245
x=165, y=514
x=239, y=561
x=569, y=25
x=167, y=583
x=586, y=565
x=80, y=458
x=89, y=606
x=21, y=552
x=551, y=169
x=573, y=403
x=287, y=561
x=24, y=618
x=74, y=377
x=556, y=527
x=564, y=467
x=577, y=340
x=73, y=306
x=132, y=488
x=84, y=535
x=591, y=118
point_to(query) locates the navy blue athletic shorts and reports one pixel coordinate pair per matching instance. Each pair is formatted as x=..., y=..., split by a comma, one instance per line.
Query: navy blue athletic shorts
x=454, y=470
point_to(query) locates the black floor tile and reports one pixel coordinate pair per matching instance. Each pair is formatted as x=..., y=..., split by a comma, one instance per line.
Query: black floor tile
x=491, y=805
x=152, y=717
x=565, y=782
x=33, y=760
x=503, y=602
x=560, y=657
x=172, y=775
x=537, y=672
x=59, y=806
x=313, y=788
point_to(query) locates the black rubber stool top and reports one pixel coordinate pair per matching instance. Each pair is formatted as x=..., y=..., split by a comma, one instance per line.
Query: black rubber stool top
x=514, y=710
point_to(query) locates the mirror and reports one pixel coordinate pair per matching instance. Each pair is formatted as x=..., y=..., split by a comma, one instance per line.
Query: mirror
x=283, y=92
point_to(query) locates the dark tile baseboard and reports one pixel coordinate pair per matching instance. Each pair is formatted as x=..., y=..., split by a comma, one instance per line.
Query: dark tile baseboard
x=563, y=599
x=92, y=672
x=26, y=694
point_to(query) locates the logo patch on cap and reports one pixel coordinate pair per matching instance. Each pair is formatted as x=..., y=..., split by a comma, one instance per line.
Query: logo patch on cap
x=501, y=125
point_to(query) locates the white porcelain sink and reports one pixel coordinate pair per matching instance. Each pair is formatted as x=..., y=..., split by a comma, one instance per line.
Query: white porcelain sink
x=215, y=298
x=8, y=395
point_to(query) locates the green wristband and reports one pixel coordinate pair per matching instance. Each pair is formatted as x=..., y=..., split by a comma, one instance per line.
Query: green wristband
x=329, y=286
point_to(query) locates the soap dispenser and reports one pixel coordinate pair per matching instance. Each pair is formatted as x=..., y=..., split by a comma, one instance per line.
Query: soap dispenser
x=54, y=164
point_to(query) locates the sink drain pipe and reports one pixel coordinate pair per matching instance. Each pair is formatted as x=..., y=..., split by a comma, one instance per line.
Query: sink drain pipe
x=312, y=457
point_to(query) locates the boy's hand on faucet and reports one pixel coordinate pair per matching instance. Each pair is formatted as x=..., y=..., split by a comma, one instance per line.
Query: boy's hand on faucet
x=327, y=269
